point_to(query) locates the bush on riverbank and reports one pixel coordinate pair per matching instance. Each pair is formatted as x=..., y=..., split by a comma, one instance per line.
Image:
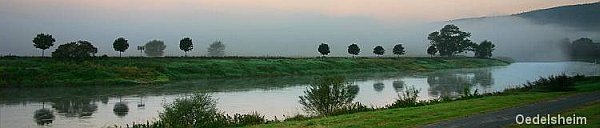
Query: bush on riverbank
x=37, y=72
x=553, y=83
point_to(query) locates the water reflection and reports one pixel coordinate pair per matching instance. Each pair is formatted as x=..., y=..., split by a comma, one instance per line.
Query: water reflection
x=120, y=109
x=398, y=85
x=451, y=84
x=328, y=95
x=378, y=87
x=74, y=107
x=43, y=116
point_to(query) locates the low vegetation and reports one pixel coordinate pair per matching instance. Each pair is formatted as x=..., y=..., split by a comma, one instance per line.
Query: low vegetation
x=199, y=111
x=408, y=112
x=38, y=72
x=330, y=100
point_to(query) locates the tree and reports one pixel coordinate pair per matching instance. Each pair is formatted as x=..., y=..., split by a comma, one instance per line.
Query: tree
x=379, y=50
x=584, y=47
x=120, y=45
x=79, y=49
x=43, y=41
x=353, y=49
x=398, y=50
x=432, y=50
x=186, y=45
x=484, y=49
x=217, y=48
x=450, y=40
x=324, y=49
x=155, y=48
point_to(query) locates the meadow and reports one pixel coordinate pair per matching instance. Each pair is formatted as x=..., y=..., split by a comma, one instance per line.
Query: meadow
x=39, y=72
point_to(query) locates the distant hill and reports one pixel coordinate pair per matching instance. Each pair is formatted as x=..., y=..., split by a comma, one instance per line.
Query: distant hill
x=581, y=16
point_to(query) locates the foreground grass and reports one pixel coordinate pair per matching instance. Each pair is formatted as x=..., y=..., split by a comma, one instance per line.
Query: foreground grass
x=416, y=116
x=591, y=112
x=24, y=71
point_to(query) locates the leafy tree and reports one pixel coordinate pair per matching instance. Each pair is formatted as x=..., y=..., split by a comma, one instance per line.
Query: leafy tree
x=79, y=49
x=398, y=50
x=324, y=49
x=186, y=45
x=353, y=49
x=43, y=41
x=155, y=48
x=484, y=49
x=120, y=45
x=450, y=40
x=379, y=50
x=585, y=47
x=432, y=50
x=217, y=48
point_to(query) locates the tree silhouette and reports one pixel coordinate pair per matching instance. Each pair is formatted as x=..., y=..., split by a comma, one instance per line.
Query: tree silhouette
x=155, y=48
x=354, y=49
x=217, y=48
x=450, y=40
x=432, y=50
x=186, y=45
x=379, y=50
x=324, y=49
x=484, y=49
x=79, y=49
x=398, y=50
x=120, y=45
x=43, y=41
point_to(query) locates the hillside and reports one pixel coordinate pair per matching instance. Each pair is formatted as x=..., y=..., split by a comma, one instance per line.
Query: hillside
x=582, y=16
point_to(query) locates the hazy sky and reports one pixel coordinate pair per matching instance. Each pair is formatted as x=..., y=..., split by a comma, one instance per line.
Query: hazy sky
x=247, y=27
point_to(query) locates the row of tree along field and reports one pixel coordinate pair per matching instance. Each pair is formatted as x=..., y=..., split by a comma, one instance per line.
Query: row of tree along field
x=448, y=41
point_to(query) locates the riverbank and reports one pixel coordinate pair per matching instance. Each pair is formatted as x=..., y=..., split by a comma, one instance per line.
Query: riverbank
x=429, y=114
x=38, y=72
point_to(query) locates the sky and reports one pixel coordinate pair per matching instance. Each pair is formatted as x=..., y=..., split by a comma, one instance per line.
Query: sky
x=247, y=27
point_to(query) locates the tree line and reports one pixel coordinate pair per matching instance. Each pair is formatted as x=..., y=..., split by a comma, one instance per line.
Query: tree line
x=84, y=49
x=448, y=41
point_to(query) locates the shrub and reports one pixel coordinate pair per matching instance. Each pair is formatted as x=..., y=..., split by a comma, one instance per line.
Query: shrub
x=554, y=83
x=407, y=98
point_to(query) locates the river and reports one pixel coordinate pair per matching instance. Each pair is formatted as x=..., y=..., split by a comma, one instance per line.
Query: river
x=92, y=106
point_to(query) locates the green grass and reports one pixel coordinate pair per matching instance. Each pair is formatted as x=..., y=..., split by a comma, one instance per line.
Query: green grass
x=590, y=111
x=36, y=72
x=418, y=116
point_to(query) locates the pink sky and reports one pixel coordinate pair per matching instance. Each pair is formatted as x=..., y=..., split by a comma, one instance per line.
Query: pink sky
x=383, y=10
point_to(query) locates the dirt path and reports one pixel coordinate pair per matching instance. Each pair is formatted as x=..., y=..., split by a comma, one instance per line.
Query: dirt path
x=506, y=117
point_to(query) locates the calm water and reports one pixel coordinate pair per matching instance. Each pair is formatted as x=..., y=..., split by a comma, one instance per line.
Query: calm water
x=273, y=97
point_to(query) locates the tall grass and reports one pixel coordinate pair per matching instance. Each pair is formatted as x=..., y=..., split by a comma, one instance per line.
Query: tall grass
x=553, y=83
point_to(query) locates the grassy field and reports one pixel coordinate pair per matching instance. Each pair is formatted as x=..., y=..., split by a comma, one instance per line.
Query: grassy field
x=37, y=72
x=418, y=116
x=590, y=111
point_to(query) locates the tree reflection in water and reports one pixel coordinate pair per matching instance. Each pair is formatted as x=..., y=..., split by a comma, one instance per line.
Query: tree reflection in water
x=453, y=83
x=43, y=116
x=328, y=95
x=378, y=87
x=398, y=85
x=74, y=106
x=121, y=109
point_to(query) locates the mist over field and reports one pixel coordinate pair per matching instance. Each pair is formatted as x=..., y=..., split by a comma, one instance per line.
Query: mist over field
x=263, y=31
